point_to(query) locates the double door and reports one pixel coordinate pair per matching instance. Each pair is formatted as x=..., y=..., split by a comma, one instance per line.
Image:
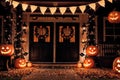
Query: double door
x=54, y=42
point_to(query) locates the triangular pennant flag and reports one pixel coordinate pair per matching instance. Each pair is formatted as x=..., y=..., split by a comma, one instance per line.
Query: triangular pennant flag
x=7, y=0
x=82, y=8
x=101, y=3
x=43, y=9
x=73, y=9
x=33, y=8
x=62, y=10
x=15, y=4
x=10, y=1
x=93, y=6
x=110, y=1
x=53, y=10
x=24, y=7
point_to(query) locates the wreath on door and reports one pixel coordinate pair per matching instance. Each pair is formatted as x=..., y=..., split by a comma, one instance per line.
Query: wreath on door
x=41, y=32
x=67, y=32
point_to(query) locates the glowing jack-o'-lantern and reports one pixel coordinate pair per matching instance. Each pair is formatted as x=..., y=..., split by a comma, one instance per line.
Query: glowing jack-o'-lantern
x=6, y=49
x=20, y=63
x=116, y=65
x=88, y=63
x=114, y=17
x=92, y=50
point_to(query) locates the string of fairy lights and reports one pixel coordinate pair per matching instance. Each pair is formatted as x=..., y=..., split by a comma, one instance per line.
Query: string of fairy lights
x=88, y=34
x=19, y=50
x=8, y=22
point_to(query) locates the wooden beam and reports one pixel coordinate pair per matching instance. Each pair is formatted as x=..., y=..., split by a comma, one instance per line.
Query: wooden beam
x=57, y=3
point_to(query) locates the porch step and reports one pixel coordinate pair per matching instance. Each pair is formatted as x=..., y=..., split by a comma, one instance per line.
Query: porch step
x=54, y=65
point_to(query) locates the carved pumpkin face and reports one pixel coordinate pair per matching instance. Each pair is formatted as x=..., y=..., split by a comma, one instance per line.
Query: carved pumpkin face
x=20, y=63
x=92, y=50
x=88, y=63
x=114, y=17
x=116, y=65
x=6, y=49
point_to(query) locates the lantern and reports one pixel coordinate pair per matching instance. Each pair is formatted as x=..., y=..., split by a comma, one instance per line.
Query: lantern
x=88, y=63
x=114, y=17
x=20, y=63
x=116, y=65
x=6, y=49
x=92, y=50
x=29, y=64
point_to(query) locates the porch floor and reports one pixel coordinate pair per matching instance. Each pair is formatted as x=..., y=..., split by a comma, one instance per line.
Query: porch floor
x=58, y=72
x=55, y=65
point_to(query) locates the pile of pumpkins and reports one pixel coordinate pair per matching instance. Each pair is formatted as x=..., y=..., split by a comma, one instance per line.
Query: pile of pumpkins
x=21, y=63
x=8, y=50
x=91, y=51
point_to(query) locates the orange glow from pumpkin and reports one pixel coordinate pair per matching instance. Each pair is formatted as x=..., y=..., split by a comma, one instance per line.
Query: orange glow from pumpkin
x=116, y=65
x=29, y=64
x=79, y=65
x=114, y=17
x=20, y=63
x=92, y=50
x=6, y=49
x=88, y=63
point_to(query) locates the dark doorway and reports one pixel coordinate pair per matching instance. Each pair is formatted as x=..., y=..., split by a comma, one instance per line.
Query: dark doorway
x=41, y=41
x=67, y=42
x=54, y=42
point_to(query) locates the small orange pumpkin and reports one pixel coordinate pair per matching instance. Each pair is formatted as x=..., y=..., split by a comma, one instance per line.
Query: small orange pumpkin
x=6, y=49
x=114, y=17
x=116, y=65
x=79, y=65
x=88, y=63
x=92, y=50
x=20, y=63
x=29, y=64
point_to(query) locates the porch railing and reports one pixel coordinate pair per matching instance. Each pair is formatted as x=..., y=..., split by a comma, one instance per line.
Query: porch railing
x=106, y=49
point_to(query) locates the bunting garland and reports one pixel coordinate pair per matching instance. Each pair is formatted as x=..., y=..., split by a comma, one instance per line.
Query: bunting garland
x=102, y=3
x=33, y=8
x=24, y=7
x=62, y=9
x=82, y=8
x=110, y=1
x=93, y=6
x=15, y=4
x=53, y=10
x=43, y=9
x=73, y=9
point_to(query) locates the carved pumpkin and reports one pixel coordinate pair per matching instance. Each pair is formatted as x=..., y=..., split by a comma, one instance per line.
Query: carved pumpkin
x=114, y=17
x=116, y=65
x=20, y=63
x=6, y=49
x=29, y=64
x=88, y=63
x=92, y=50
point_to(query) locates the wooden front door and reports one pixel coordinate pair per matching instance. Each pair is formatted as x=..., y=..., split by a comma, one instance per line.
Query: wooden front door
x=54, y=42
x=67, y=42
x=41, y=41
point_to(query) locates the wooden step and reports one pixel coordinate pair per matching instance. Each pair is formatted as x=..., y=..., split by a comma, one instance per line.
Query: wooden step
x=54, y=65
